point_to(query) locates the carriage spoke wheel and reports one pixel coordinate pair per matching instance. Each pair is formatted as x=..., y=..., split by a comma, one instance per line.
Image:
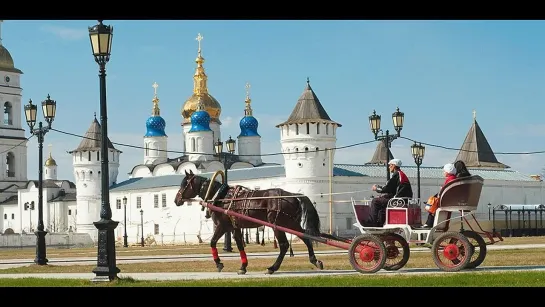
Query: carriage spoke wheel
x=479, y=247
x=367, y=253
x=397, y=251
x=451, y=251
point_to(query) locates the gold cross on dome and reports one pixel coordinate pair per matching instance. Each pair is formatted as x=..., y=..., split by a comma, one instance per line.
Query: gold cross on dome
x=155, y=86
x=199, y=39
x=474, y=114
x=248, y=90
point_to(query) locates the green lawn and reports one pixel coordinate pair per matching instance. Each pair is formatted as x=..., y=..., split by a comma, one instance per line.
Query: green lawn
x=490, y=279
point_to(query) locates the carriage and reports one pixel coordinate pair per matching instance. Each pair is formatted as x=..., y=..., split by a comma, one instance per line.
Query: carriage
x=387, y=247
x=451, y=250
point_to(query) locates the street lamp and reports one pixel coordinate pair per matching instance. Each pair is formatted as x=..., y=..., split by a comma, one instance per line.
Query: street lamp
x=49, y=108
x=142, y=227
x=418, y=151
x=101, y=43
x=374, y=121
x=227, y=163
x=125, y=243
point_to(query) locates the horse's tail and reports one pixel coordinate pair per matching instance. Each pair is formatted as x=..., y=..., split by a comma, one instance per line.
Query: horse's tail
x=310, y=216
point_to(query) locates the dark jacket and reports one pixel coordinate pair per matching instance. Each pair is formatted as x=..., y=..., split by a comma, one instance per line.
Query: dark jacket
x=398, y=186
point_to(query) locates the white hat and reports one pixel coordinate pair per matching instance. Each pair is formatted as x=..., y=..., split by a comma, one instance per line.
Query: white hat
x=395, y=162
x=449, y=168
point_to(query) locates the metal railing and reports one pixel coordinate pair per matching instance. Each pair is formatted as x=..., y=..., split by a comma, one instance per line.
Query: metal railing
x=519, y=220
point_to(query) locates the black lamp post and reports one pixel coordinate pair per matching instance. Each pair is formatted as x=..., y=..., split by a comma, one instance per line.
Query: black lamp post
x=125, y=242
x=101, y=43
x=489, y=205
x=49, y=107
x=374, y=122
x=418, y=151
x=142, y=227
x=227, y=163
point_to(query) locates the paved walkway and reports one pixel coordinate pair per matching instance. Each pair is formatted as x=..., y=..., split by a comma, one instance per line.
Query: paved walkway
x=11, y=263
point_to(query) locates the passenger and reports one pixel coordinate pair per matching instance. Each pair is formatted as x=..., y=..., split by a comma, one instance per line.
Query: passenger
x=461, y=169
x=449, y=170
x=398, y=186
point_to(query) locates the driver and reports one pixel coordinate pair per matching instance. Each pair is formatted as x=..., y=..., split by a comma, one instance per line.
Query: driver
x=398, y=186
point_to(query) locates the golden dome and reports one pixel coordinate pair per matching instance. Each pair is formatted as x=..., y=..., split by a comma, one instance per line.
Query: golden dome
x=50, y=161
x=200, y=92
x=6, y=61
x=211, y=105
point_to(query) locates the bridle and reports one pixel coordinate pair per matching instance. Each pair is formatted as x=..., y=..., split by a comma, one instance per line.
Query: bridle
x=180, y=194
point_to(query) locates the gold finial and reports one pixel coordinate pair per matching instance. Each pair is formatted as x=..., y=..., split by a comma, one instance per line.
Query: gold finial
x=474, y=115
x=248, y=101
x=50, y=146
x=200, y=79
x=155, y=111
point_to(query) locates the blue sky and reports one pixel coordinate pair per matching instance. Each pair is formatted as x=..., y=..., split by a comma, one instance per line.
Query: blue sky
x=437, y=72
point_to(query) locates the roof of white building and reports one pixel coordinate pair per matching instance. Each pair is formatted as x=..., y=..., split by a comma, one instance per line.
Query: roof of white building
x=340, y=170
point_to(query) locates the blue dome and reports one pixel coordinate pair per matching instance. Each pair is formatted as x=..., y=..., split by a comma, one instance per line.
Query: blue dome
x=248, y=126
x=155, y=126
x=200, y=121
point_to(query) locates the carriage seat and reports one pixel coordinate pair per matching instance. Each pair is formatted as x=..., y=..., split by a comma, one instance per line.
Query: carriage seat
x=403, y=211
x=461, y=194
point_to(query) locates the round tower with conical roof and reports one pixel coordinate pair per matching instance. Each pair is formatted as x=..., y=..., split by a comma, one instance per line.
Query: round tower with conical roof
x=87, y=166
x=50, y=167
x=249, y=140
x=306, y=138
x=201, y=95
x=155, y=139
x=13, y=145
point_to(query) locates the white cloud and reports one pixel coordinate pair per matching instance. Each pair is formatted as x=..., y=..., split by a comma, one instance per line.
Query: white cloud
x=66, y=32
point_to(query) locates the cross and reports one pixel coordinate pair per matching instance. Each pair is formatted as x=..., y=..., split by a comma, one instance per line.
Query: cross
x=199, y=39
x=248, y=89
x=50, y=146
x=474, y=114
x=1, y=32
x=155, y=86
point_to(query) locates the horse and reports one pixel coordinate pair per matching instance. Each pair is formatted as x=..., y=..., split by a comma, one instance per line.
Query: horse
x=277, y=206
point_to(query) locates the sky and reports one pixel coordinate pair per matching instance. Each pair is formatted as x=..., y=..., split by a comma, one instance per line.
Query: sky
x=436, y=72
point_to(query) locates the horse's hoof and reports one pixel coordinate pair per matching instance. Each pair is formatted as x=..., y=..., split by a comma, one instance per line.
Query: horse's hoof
x=270, y=272
x=241, y=272
x=319, y=264
x=220, y=267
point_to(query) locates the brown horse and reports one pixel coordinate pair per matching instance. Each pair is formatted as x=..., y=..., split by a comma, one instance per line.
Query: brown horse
x=275, y=206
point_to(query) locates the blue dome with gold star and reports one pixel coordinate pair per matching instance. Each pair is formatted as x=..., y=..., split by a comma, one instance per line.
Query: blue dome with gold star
x=248, y=126
x=155, y=126
x=200, y=121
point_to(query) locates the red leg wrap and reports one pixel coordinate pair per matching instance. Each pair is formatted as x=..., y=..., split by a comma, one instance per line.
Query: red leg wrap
x=215, y=253
x=243, y=257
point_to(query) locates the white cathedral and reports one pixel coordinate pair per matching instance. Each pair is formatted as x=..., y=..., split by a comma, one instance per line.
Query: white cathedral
x=146, y=199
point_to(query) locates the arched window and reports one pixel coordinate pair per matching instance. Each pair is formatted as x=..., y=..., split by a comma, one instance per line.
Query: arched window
x=8, y=114
x=10, y=164
x=193, y=145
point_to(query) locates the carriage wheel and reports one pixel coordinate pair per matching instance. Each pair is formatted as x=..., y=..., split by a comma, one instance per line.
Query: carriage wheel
x=451, y=251
x=397, y=251
x=479, y=247
x=367, y=253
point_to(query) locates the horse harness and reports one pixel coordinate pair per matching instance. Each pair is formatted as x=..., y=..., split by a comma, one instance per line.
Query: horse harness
x=238, y=200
